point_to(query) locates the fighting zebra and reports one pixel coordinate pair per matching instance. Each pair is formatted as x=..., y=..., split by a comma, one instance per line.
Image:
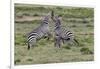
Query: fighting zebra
x=38, y=33
x=62, y=35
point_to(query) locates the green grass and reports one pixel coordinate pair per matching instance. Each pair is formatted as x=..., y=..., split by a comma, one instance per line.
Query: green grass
x=78, y=20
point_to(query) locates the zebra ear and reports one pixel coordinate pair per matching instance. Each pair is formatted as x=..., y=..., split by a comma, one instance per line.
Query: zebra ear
x=49, y=14
x=46, y=17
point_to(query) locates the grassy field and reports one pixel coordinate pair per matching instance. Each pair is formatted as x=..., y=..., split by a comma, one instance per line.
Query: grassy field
x=79, y=20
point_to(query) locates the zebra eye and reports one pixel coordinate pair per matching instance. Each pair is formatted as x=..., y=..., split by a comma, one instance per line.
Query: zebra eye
x=46, y=23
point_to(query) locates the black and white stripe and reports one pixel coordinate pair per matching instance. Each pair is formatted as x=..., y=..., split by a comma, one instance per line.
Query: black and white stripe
x=62, y=34
x=42, y=31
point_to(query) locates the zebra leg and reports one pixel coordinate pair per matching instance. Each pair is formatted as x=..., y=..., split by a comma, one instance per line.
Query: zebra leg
x=57, y=42
x=63, y=41
x=28, y=46
x=32, y=43
x=49, y=36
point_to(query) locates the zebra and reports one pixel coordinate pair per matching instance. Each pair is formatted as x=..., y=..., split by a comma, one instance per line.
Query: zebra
x=38, y=33
x=61, y=34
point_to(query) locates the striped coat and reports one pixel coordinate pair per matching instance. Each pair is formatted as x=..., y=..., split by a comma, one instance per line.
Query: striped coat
x=38, y=33
x=62, y=34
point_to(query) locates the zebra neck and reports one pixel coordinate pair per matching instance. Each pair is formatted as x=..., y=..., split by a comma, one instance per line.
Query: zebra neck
x=57, y=27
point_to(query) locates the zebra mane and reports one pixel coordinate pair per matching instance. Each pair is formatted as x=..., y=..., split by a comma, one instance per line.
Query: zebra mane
x=57, y=21
x=55, y=18
x=52, y=14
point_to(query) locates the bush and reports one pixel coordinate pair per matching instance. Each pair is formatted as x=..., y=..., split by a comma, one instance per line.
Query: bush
x=35, y=14
x=89, y=25
x=29, y=59
x=67, y=47
x=17, y=60
x=26, y=14
x=86, y=51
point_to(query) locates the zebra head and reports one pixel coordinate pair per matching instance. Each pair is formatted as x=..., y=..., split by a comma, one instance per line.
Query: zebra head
x=57, y=21
x=46, y=19
x=55, y=18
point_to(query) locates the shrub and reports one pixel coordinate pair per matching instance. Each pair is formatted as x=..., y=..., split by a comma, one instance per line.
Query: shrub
x=17, y=60
x=35, y=14
x=86, y=51
x=26, y=14
x=29, y=59
x=67, y=47
x=89, y=25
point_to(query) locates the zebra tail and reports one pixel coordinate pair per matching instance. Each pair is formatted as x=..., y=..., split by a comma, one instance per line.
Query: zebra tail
x=28, y=47
x=76, y=41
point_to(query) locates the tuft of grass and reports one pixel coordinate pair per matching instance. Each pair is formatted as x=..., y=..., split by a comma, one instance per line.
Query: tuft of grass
x=59, y=8
x=26, y=14
x=29, y=59
x=17, y=61
x=30, y=22
x=85, y=21
x=86, y=51
x=19, y=16
x=20, y=40
x=35, y=14
x=88, y=25
x=67, y=47
x=74, y=26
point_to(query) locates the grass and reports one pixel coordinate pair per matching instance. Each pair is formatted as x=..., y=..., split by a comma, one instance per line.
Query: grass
x=86, y=51
x=78, y=20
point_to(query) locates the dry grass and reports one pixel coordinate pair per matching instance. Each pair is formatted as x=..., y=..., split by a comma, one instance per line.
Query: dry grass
x=45, y=52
